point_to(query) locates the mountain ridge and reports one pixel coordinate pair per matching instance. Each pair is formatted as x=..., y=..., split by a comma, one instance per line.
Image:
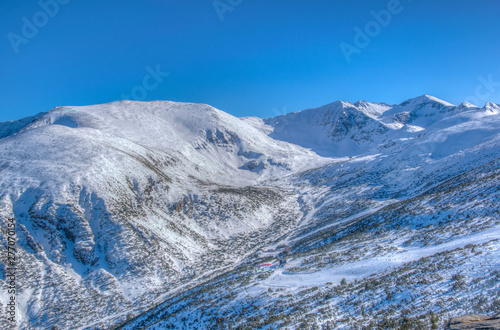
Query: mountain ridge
x=119, y=206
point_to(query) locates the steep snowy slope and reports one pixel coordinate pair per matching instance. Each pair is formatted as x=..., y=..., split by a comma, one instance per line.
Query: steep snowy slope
x=337, y=129
x=199, y=133
x=403, y=235
x=124, y=199
x=346, y=129
x=167, y=212
x=12, y=127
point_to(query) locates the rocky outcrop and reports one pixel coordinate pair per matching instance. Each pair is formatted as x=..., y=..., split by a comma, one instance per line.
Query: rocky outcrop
x=474, y=321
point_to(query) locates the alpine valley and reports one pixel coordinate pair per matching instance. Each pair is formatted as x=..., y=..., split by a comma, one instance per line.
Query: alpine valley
x=165, y=215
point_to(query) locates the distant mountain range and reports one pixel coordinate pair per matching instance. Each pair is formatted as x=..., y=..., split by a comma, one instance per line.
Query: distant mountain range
x=178, y=215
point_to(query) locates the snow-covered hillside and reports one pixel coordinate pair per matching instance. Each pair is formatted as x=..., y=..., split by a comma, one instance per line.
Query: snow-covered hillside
x=352, y=129
x=125, y=206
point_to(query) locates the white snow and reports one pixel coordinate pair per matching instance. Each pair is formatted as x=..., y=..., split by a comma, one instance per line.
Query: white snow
x=148, y=189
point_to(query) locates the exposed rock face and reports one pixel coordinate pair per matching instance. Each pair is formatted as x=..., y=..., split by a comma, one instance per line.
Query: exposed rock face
x=474, y=321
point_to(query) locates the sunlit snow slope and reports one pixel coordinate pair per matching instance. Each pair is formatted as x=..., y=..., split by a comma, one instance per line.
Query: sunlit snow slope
x=122, y=206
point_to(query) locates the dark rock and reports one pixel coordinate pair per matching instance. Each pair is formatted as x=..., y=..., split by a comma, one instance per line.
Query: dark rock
x=474, y=321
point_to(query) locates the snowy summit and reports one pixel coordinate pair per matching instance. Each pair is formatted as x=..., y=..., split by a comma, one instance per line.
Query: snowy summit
x=178, y=215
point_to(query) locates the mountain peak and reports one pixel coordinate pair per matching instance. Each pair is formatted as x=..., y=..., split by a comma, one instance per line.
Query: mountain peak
x=363, y=103
x=493, y=107
x=466, y=105
x=425, y=99
x=372, y=109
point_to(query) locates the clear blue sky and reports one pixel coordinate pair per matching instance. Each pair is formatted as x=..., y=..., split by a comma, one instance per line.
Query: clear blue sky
x=264, y=58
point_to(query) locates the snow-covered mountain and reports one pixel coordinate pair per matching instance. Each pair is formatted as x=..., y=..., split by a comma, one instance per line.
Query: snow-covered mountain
x=350, y=129
x=124, y=206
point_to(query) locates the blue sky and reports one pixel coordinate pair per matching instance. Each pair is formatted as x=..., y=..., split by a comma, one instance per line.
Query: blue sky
x=246, y=57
